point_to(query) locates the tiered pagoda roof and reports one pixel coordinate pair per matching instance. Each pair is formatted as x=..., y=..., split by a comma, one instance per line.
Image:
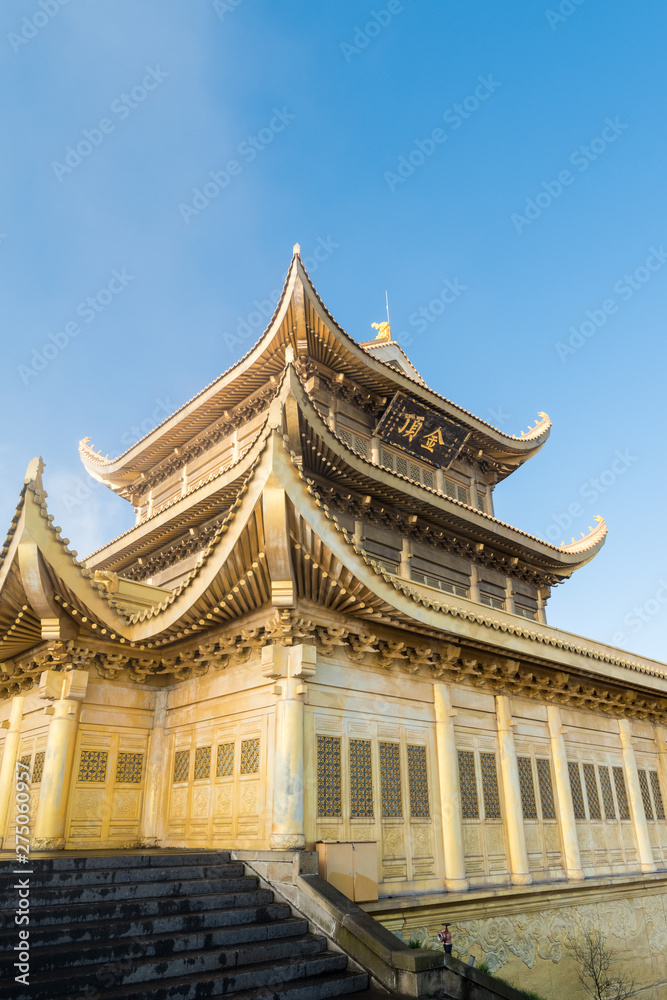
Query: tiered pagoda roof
x=266, y=529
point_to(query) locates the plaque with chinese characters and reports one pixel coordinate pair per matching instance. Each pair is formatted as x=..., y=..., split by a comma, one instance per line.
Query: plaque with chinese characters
x=422, y=432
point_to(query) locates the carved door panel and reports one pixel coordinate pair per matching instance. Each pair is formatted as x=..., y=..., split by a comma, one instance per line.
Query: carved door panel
x=107, y=788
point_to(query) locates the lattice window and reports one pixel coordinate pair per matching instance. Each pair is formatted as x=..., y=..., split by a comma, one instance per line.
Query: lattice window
x=491, y=601
x=480, y=501
x=38, y=768
x=621, y=794
x=361, y=778
x=646, y=797
x=577, y=791
x=490, y=785
x=361, y=445
x=592, y=791
x=402, y=465
x=418, y=781
x=655, y=788
x=250, y=756
x=438, y=583
x=427, y=478
x=24, y=761
x=468, y=785
x=202, y=763
x=129, y=768
x=457, y=492
x=390, y=779
x=181, y=765
x=93, y=765
x=328, y=776
x=346, y=436
x=225, y=760
x=546, y=790
x=528, y=804
x=607, y=796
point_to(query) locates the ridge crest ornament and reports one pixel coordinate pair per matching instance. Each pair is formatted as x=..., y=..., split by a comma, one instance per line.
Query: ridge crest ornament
x=420, y=431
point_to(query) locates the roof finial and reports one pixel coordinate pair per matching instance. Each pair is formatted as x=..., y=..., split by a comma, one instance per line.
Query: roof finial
x=383, y=331
x=296, y=250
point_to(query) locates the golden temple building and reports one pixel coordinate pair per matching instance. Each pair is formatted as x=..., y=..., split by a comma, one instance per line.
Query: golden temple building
x=318, y=632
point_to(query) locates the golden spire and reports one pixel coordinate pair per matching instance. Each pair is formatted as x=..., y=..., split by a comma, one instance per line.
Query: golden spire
x=383, y=331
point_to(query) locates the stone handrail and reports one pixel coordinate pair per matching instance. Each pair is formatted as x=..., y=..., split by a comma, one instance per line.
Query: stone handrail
x=408, y=972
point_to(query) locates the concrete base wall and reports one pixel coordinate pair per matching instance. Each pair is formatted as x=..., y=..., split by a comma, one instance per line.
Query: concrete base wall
x=527, y=936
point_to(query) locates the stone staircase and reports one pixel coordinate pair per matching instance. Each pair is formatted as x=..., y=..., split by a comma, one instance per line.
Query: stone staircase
x=163, y=925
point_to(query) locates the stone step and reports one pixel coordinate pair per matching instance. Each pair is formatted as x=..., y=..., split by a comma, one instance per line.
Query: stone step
x=143, y=908
x=91, y=931
x=159, y=859
x=116, y=876
x=230, y=979
x=42, y=896
x=290, y=932
x=339, y=984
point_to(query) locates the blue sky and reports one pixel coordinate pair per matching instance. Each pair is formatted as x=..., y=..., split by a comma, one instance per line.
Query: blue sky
x=516, y=151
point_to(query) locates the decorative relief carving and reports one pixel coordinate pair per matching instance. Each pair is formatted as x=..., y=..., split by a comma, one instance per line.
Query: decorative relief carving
x=223, y=802
x=249, y=799
x=178, y=800
x=422, y=846
x=125, y=805
x=392, y=843
x=637, y=924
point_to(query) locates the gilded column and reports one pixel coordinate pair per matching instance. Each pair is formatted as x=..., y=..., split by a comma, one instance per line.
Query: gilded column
x=291, y=666
x=509, y=773
x=635, y=798
x=66, y=690
x=566, y=819
x=661, y=746
x=474, y=583
x=450, y=801
x=8, y=767
x=150, y=831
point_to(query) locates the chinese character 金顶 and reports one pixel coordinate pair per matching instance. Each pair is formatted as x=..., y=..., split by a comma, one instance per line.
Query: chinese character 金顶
x=435, y=437
x=411, y=426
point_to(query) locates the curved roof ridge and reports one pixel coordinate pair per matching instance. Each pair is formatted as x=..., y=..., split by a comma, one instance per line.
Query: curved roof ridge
x=458, y=611
x=192, y=489
x=32, y=489
x=205, y=554
x=541, y=429
x=597, y=536
x=93, y=457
